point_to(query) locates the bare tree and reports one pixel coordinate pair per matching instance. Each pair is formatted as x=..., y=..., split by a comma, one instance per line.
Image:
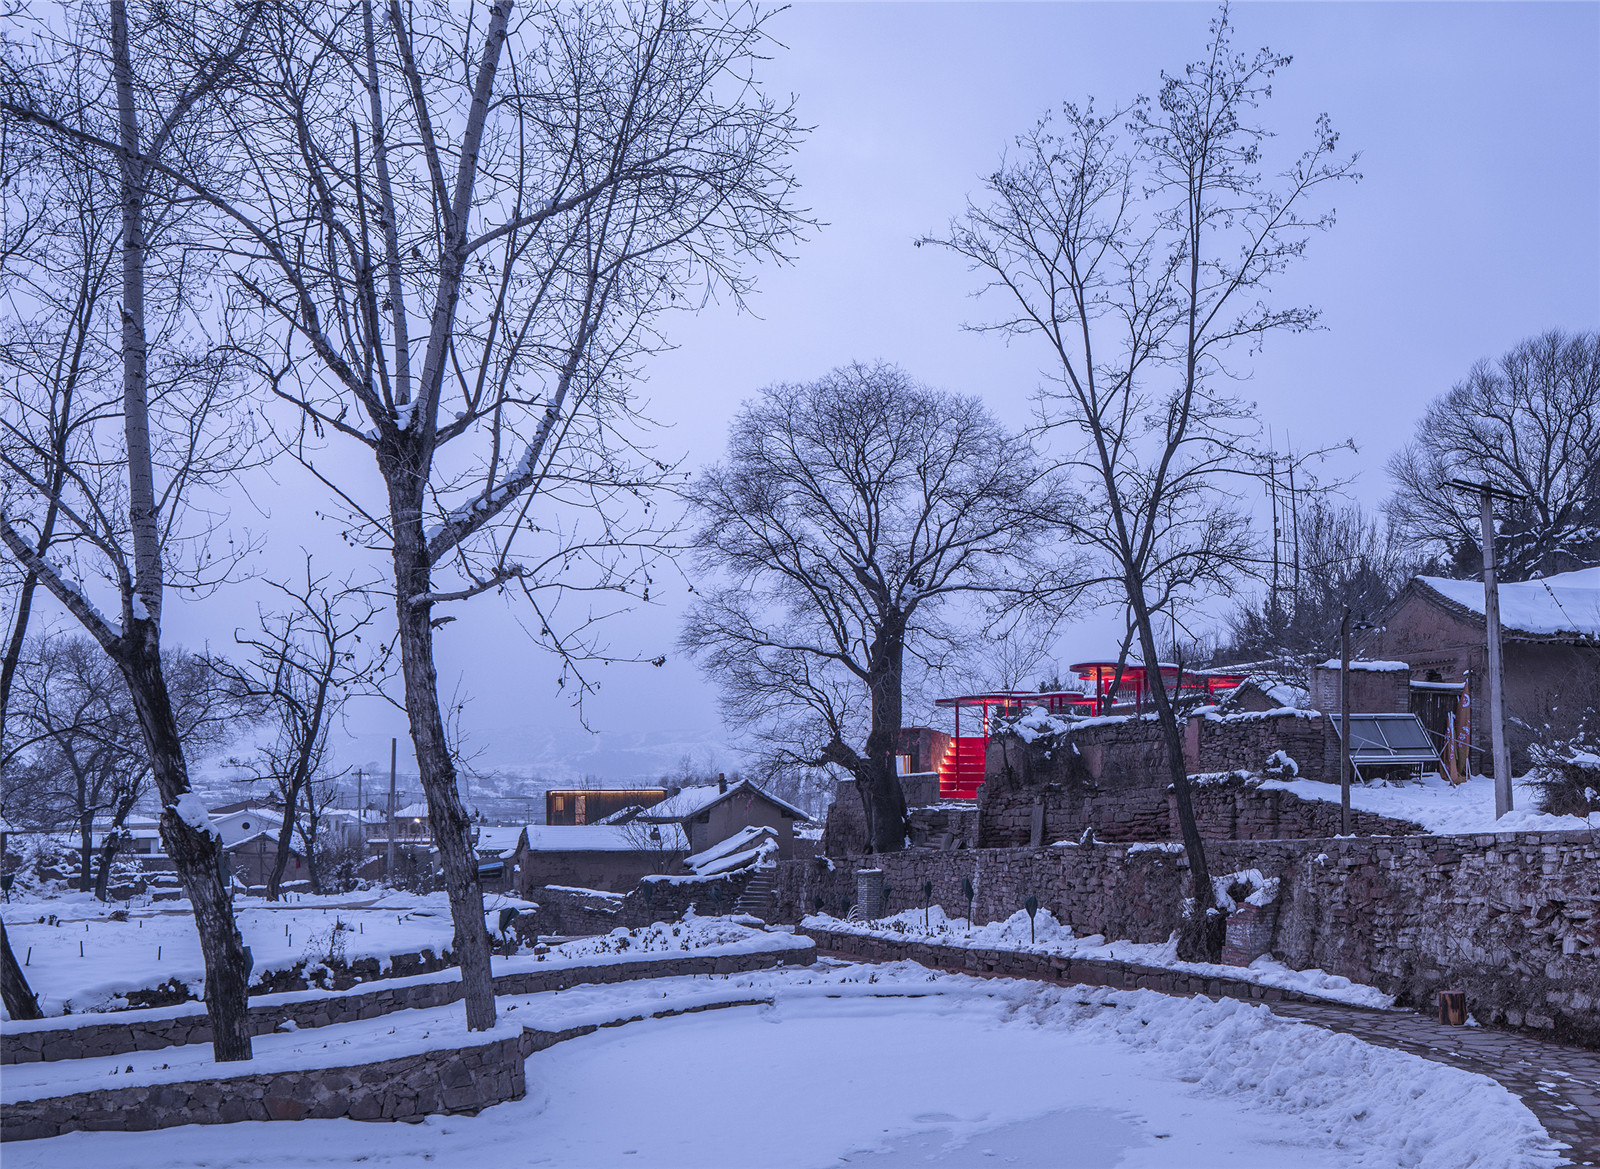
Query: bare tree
x=850, y=512
x=1140, y=247
x=461, y=231
x=1344, y=557
x=54, y=347
x=124, y=97
x=1528, y=423
x=300, y=668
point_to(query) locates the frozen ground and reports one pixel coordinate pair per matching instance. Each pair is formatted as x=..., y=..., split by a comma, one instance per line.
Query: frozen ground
x=892, y=1065
x=1048, y=936
x=1438, y=807
x=158, y=942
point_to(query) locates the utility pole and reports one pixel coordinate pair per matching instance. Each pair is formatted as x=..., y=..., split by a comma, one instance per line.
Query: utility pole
x=1344, y=723
x=388, y=871
x=1491, y=614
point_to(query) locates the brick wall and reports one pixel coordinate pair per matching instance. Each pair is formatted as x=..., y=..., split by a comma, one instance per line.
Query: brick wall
x=1512, y=919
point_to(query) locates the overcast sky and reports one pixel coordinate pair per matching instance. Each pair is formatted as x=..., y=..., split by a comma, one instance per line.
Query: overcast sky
x=1478, y=223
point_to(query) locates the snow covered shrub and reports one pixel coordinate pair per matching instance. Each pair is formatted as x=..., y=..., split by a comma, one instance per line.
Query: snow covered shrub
x=1247, y=887
x=1281, y=765
x=1568, y=779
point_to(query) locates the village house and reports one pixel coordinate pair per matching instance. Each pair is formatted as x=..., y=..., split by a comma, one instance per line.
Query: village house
x=709, y=815
x=1550, y=634
x=611, y=857
x=497, y=848
x=251, y=858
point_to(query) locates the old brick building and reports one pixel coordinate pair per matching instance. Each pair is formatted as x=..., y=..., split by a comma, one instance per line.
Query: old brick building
x=1550, y=632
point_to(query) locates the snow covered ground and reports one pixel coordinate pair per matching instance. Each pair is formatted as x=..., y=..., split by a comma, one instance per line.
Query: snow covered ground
x=1050, y=936
x=1438, y=807
x=158, y=942
x=894, y=1066
x=402, y=1032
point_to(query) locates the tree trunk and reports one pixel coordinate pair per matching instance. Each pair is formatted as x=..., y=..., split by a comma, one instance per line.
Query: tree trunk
x=280, y=860
x=1203, y=929
x=882, y=798
x=435, y=768
x=108, y=853
x=308, y=841
x=196, y=854
x=85, y=852
x=14, y=989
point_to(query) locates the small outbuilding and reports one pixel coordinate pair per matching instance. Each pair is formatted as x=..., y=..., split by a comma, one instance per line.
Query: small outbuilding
x=709, y=815
x=610, y=857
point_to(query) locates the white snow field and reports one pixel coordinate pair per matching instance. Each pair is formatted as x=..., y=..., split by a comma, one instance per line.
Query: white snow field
x=895, y=1065
x=158, y=942
x=1440, y=808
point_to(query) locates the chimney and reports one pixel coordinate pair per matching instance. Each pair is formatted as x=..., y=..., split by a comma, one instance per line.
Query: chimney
x=722, y=784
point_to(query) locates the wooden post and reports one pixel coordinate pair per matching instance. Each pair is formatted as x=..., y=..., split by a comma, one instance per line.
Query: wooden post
x=1344, y=723
x=388, y=870
x=1491, y=613
x=1452, y=1008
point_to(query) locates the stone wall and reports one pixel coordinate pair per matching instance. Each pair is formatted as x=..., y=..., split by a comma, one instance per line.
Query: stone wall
x=658, y=899
x=1512, y=919
x=1111, y=972
x=844, y=831
x=1232, y=742
x=1045, y=792
x=46, y=1039
x=463, y=1079
x=408, y=1087
x=1233, y=807
x=943, y=826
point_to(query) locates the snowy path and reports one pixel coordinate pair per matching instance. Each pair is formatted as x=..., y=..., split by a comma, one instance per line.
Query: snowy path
x=896, y=1065
x=1559, y=1084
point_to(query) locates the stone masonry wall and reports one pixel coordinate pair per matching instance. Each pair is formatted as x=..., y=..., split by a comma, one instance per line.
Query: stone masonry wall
x=1044, y=797
x=1244, y=741
x=462, y=1079
x=1111, y=972
x=1234, y=808
x=1512, y=919
x=148, y=1031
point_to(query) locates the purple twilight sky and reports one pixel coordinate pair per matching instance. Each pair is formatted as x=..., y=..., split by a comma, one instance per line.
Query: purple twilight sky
x=1478, y=223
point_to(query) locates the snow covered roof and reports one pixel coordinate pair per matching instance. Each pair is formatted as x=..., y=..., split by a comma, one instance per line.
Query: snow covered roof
x=602, y=838
x=691, y=801
x=500, y=840
x=744, y=846
x=1566, y=605
x=270, y=837
x=416, y=811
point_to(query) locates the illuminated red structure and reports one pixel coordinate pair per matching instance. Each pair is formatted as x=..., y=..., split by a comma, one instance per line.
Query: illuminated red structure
x=961, y=768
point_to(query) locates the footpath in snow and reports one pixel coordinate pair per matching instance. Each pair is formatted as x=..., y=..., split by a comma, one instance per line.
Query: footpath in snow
x=1050, y=936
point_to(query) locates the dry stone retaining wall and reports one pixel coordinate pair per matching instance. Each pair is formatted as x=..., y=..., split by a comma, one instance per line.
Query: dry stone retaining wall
x=1512, y=919
x=463, y=1079
x=1046, y=967
x=121, y=1032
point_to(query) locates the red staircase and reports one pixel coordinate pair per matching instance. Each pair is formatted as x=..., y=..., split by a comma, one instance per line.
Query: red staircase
x=961, y=768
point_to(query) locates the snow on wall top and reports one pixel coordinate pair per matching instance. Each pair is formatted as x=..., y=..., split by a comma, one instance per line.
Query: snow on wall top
x=603, y=837
x=1374, y=667
x=1566, y=604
